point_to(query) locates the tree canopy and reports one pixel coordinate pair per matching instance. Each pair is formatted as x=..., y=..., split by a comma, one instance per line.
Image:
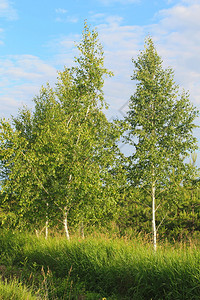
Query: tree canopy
x=57, y=161
x=160, y=120
x=60, y=164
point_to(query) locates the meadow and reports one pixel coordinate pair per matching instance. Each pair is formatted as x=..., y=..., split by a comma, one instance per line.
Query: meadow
x=61, y=163
x=97, y=267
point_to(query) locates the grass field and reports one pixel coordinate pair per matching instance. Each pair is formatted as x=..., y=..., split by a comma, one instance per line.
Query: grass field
x=96, y=268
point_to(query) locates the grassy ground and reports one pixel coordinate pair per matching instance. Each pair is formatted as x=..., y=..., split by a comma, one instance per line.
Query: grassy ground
x=97, y=268
x=15, y=291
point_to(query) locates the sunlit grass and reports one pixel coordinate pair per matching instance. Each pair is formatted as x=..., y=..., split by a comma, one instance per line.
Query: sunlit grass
x=101, y=266
x=15, y=291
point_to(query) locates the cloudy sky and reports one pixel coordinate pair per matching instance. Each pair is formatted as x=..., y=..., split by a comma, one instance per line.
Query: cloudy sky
x=37, y=39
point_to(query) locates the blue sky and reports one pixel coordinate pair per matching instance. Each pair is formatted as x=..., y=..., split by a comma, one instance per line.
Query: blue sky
x=37, y=39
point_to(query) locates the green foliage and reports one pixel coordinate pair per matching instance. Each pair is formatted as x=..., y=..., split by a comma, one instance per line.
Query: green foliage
x=90, y=68
x=160, y=121
x=61, y=160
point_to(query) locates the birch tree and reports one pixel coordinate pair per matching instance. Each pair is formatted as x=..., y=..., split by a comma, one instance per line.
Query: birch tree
x=65, y=149
x=160, y=120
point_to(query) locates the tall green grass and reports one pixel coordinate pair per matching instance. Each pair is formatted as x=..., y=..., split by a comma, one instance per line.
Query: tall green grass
x=98, y=267
x=15, y=291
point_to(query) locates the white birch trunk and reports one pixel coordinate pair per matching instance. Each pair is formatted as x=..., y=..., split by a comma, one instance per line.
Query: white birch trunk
x=46, y=229
x=82, y=230
x=154, y=211
x=66, y=226
x=47, y=223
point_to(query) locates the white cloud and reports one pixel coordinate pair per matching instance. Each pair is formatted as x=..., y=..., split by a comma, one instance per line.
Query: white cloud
x=121, y=43
x=176, y=33
x=94, y=17
x=61, y=11
x=21, y=77
x=190, y=2
x=178, y=37
x=67, y=19
x=64, y=50
x=64, y=17
x=26, y=67
x=7, y=10
x=181, y=17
